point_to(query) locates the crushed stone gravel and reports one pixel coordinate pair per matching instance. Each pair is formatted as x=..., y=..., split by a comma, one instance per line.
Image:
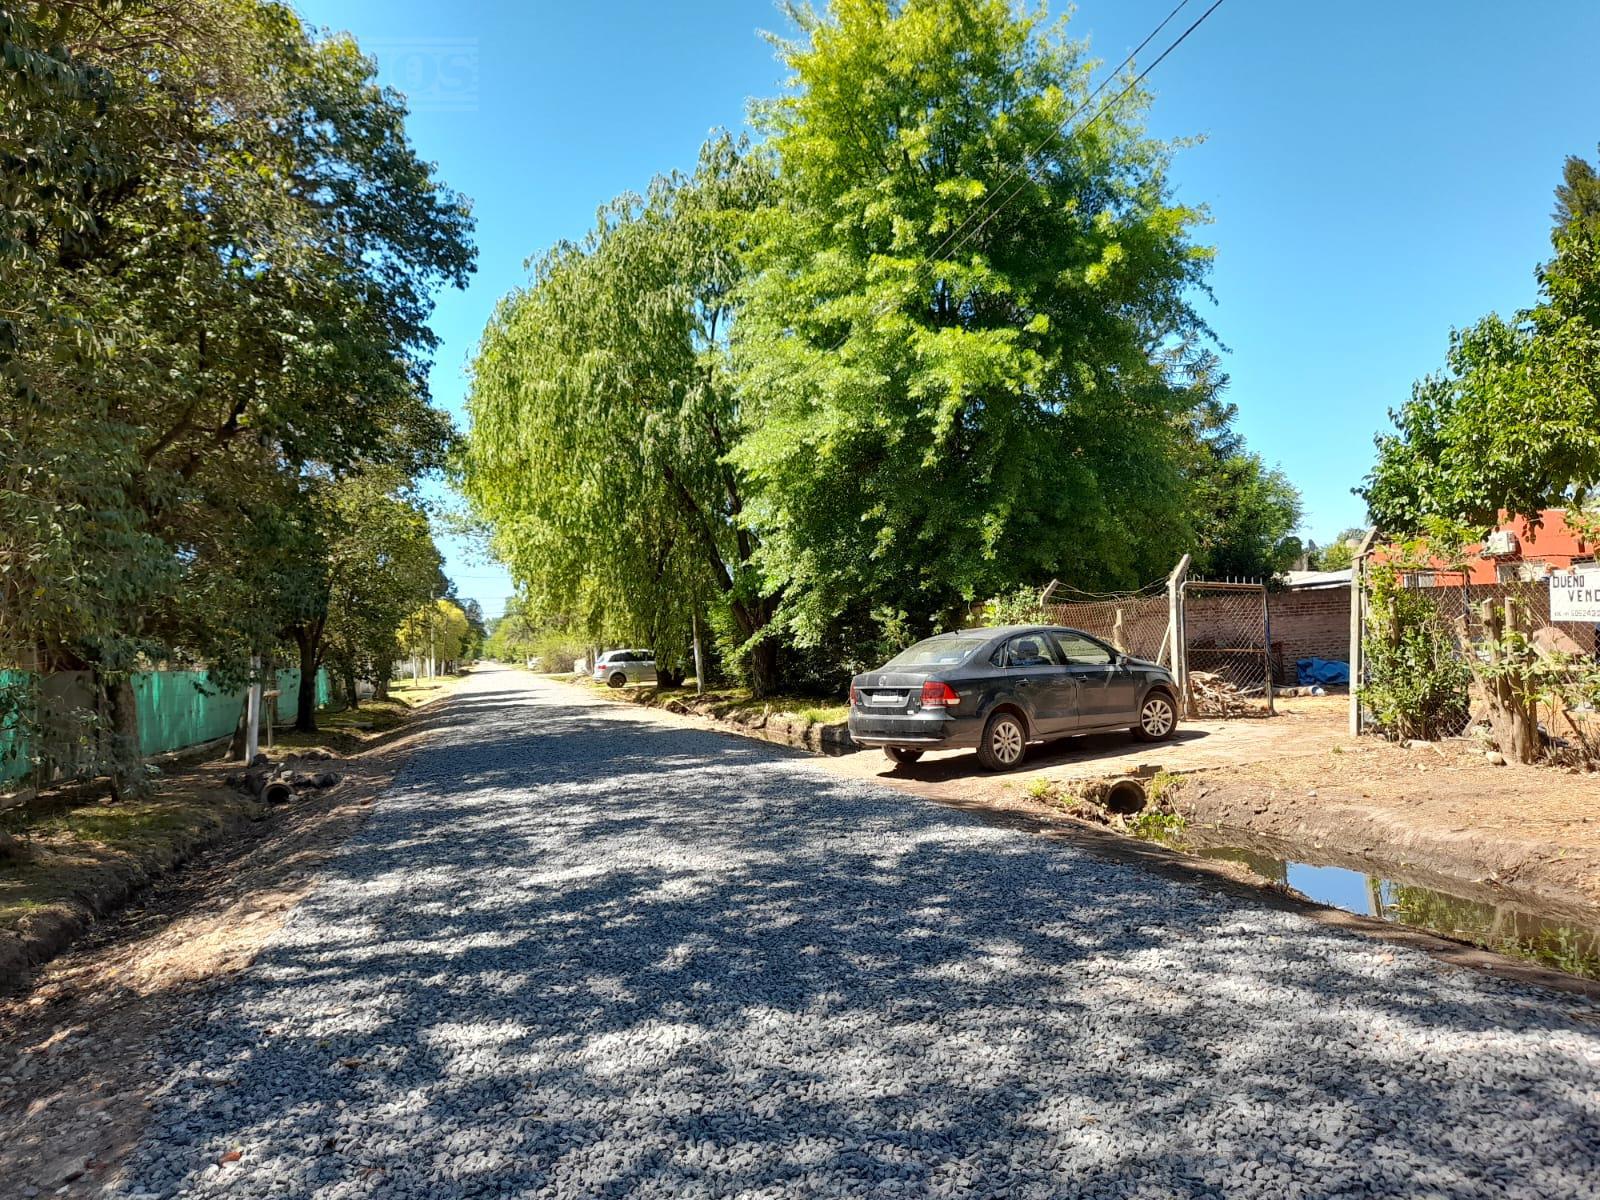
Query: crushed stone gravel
x=580, y=950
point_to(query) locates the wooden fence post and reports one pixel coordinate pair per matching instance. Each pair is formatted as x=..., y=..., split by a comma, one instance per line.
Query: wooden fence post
x=1358, y=572
x=1176, y=633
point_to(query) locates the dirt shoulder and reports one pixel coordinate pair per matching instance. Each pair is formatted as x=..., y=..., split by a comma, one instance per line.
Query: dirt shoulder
x=1439, y=812
x=75, y=1047
x=798, y=721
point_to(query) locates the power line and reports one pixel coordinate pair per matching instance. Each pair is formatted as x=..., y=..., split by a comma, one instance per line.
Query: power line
x=1055, y=135
x=1102, y=111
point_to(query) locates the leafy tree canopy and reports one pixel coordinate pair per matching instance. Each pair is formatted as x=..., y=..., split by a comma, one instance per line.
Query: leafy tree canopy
x=960, y=376
x=1512, y=425
x=604, y=380
x=1243, y=514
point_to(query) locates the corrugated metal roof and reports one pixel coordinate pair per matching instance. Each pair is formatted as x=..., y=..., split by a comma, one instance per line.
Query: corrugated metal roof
x=1318, y=579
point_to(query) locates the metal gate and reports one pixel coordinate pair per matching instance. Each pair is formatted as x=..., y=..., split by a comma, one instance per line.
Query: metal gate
x=1227, y=641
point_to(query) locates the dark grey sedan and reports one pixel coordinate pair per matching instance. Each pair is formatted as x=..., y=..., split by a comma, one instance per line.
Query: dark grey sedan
x=999, y=689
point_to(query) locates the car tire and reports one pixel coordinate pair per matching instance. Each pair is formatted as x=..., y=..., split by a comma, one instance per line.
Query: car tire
x=1004, y=741
x=617, y=680
x=900, y=756
x=1158, y=717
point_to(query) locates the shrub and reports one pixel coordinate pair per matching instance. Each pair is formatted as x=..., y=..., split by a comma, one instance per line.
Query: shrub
x=1417, y=680
x=1018, y=608
x=555, y=650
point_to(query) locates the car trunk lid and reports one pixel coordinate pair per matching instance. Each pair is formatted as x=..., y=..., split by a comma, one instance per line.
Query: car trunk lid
x=890, y=691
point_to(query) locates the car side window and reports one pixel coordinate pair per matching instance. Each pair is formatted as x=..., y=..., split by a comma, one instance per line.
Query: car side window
x=1081, y=651
x=1030, y=650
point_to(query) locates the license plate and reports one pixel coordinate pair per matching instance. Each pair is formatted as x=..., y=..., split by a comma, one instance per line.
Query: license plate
x=884, y=698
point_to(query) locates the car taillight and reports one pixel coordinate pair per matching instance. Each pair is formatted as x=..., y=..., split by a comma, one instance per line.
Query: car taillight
x=936, y=693
x=852, y=695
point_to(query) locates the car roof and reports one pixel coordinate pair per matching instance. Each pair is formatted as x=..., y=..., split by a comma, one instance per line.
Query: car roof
x=1010, y=630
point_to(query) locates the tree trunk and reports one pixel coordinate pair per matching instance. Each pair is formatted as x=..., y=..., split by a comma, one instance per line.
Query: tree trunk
x=240, y=734
x=352, y=697
x=308, y=638
x=1513, y=712
x=128, y=778
x=764, y=668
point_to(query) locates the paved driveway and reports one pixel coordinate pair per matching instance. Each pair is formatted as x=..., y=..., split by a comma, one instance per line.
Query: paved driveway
x=585, y=950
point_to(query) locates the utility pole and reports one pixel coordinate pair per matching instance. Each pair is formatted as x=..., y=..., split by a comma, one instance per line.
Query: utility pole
x=252, y=716
x=699, y=665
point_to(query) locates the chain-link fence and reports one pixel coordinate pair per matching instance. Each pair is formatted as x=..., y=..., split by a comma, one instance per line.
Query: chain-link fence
x=1564, y=627
x=1227, y=648
x=1214, y=636
x=1134, y=622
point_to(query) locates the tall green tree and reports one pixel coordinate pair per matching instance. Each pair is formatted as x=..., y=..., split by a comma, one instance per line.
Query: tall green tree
x=1577, y=197
x=381, y=563
x=436, y=631
x=217, y=270
x=957, y=375
x=1242, y=513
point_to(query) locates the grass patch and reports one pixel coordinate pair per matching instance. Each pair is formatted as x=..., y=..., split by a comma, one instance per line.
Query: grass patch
x=66, y=865
x=1153, y=825
x=1044, y=790
x=1161, y=789
x=349, y=730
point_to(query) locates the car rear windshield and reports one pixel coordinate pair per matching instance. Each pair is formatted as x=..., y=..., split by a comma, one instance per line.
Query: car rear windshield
x=947, y=650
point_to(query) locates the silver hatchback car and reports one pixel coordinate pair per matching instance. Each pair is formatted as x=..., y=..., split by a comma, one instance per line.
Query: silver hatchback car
x=617, y=668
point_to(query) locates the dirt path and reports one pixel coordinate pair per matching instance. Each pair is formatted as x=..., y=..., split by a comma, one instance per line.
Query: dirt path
x=76, y=1059
x=1439, y=812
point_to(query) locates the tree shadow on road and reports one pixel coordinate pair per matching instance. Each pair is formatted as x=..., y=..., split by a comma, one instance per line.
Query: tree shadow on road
x=577, y=954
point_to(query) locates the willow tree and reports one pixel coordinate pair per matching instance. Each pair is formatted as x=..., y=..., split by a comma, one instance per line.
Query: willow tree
x=602, y=417
x=967, y=351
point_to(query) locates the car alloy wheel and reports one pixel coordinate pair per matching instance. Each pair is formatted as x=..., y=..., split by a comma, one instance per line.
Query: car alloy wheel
x=1006, y=742
x=1156, y=718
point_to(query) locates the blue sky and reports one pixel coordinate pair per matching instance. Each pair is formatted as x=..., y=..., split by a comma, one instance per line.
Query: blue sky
x=1376, y=173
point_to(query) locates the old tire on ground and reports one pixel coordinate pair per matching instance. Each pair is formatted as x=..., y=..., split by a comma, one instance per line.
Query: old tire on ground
x=617, y=680
x=1004, y=741
x=900, y=756
x=1158, y=717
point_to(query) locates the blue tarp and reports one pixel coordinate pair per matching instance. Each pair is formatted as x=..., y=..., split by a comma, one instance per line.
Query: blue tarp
x=1321, y=670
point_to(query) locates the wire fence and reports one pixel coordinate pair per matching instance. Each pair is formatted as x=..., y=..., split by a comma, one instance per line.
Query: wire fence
x=1459, y=599
x=1214, y=635
x=1134, y=622
x=1227, y=648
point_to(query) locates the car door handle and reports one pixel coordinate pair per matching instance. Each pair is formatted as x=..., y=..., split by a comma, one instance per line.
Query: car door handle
x=1024, y=682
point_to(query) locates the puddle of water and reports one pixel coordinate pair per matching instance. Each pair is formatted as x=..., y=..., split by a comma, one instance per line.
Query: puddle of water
x=1574, y=949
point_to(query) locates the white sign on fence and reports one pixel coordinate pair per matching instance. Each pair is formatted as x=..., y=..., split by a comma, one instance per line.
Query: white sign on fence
x=1576, y=597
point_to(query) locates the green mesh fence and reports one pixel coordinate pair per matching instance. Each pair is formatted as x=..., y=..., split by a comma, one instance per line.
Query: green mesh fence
x=177, y=709
x=14, y=692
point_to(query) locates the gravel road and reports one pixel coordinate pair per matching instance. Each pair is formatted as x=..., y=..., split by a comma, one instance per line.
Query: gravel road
x=584, y=950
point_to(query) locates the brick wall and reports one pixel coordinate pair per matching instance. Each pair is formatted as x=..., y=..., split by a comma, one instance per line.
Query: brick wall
x=1309, y=623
